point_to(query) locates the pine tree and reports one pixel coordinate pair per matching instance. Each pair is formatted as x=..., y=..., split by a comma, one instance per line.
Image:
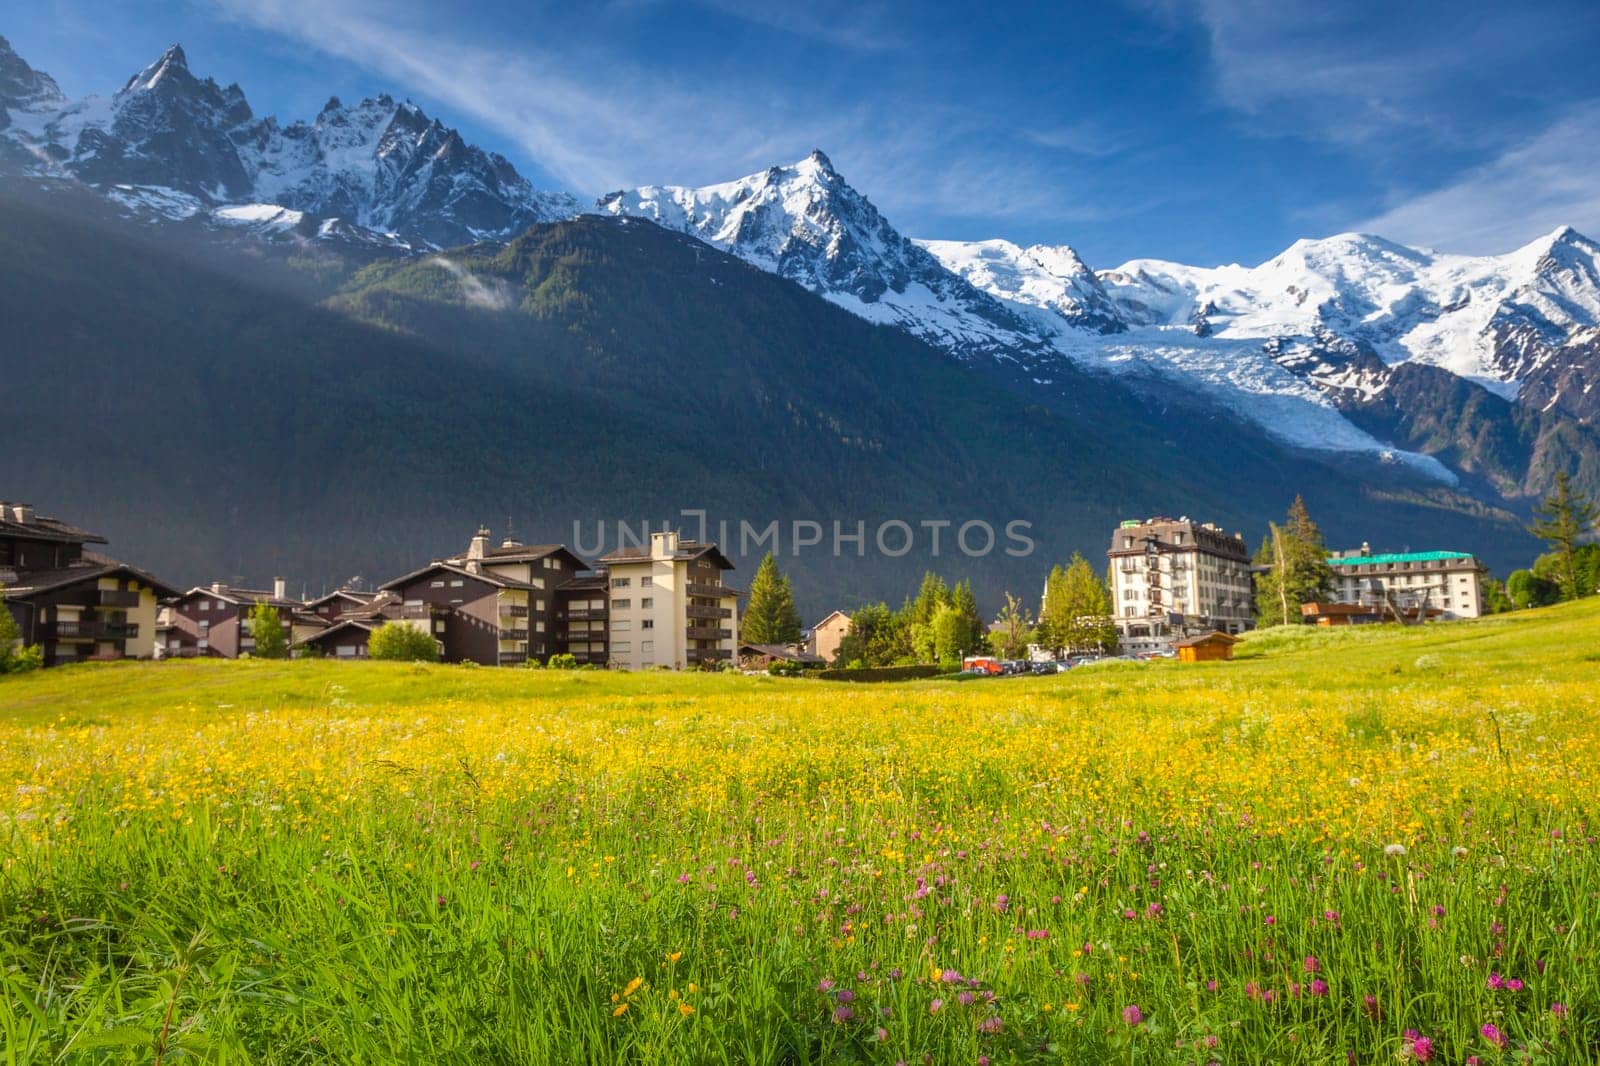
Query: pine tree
x=771, y=617
x=1055, y=625
x=1561, y=520
x=1299, y=568
x=972, y=630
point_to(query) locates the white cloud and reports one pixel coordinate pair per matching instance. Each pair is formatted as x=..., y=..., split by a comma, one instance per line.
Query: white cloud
x=1355, y=72
x=594, y=130
x=1547, y=181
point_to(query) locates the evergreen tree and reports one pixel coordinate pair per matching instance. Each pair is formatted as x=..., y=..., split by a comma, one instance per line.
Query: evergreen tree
x=1561, y=520
x=771, y=617
x=266, y=625
x=1055, y=616
x=1299, y=568
x=918, y=614
x=970, y=635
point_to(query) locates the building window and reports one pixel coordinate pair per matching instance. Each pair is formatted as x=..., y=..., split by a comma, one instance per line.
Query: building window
x=622, y=647
x=647, y=582
x=621, y=605
x=648, y=623
x=646, y=647
x=621, y=627
x=622, y=582
x=538, y=627
x=538, y=605
x=647, y=602
x=438, y=625
x=457, y=583
x=436, y=584
x=205, y=605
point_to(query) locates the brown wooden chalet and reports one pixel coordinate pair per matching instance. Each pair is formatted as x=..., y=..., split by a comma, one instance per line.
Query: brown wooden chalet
x=495, y=606
x=213, y=621
x=76, y=604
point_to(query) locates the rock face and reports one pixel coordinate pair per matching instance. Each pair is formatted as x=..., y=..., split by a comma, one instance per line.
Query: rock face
x=379, y=165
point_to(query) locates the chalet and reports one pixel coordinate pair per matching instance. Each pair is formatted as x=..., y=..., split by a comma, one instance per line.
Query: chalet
x=76, y=604
x=1208, y=647
x=827, y=635
x=761, y=656
x=213, y=621
x=494, y=606
x=338, y=603
x=347, y=636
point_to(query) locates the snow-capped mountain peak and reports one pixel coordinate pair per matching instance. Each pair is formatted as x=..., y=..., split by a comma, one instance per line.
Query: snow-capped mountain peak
x=377, y=165
x=1052, y=278
x=805, y=222
x=23, y=89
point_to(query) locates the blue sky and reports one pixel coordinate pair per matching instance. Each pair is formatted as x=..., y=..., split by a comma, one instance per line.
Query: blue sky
x=1206, y=131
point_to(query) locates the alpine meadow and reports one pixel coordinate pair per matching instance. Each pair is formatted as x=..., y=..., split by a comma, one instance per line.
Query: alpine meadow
x=1361, y=843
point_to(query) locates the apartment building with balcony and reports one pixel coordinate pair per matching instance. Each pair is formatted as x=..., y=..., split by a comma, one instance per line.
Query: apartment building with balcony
x=1409, y=583
x=213, y=621
x=75, y=603
x=1173, y=578
x=668, y=605
x=583, y=612
x=492, y=605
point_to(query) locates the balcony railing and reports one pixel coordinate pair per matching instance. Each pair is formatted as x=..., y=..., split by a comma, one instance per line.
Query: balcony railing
x=91, y=630
x=700, y=588
x=514, y=632
x=514, y=610
x=513, y=658
x=587, y=614
x=709, y=655
x=707, y=633
x=118, y=598
x=714, y=614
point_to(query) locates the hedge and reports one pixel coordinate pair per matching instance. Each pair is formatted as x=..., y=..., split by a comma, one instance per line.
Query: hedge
x=881, y=673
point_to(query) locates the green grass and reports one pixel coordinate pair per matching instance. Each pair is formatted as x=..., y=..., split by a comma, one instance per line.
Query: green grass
x=370, y=862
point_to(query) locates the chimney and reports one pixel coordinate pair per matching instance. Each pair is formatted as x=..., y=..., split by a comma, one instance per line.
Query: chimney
x=479, y=545
x=1366, y=549
x=663, y=544
x=22, y=514
x=279, y=591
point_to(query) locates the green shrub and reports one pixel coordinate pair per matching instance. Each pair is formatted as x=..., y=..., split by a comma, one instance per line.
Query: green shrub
x=882, y=673
x=563, y=661
x=397, y=641
x=29, y=658
x=784, y=668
